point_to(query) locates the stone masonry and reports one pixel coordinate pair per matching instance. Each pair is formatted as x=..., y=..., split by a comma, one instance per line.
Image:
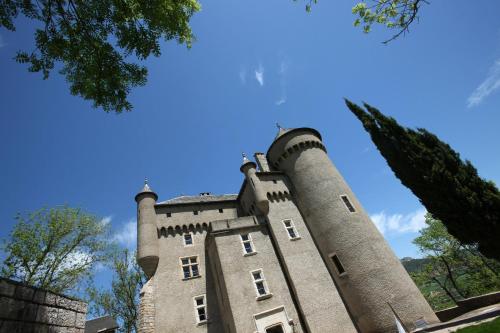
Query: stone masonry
x=27, y=309
x=292, y=252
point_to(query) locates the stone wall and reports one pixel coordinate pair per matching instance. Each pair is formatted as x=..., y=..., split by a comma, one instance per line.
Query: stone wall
x=147, y=308
x=469, y=304
x=28, y=309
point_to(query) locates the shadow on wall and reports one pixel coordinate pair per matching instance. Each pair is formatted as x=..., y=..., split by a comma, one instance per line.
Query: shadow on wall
x=213, y=311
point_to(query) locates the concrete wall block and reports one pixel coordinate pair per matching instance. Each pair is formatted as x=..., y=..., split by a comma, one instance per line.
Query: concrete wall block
x=8, y=327
x=79, y=306
x=39, y=296
x=56, y=329
x=66, y=317
x=41, y=328
x=6, y=288
x=80, y=320
x=47, y=315
x=29, y=312
x=50, y=299
x=24, y=292
x=11, y=308
x=64, y=302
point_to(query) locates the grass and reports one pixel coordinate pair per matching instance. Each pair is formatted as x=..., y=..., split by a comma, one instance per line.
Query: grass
x=488, y=327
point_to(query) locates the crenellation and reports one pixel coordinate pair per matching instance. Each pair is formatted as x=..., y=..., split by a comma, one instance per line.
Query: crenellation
x=286, y=250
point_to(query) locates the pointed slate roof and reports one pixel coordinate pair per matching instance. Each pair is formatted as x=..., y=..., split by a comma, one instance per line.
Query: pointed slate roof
x=191, y=199
x=146, y=189
x=281, y=131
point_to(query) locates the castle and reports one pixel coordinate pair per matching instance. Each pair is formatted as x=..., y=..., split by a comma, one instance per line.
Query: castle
x=293, y=251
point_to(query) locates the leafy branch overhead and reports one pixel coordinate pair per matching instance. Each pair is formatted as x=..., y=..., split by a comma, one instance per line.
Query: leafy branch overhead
x=394, y=14
x=96, y=41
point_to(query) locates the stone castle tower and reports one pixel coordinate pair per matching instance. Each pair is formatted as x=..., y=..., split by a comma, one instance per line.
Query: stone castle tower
x=293, y=251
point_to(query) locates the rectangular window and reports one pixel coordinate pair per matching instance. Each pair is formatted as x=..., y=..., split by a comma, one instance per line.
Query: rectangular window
x=200, y=307
x=347, y=203
x=260, y=283
x=221, y=210
x=247, y=243
x=169, y=214
x=195, y=212
x=188, y=239
x=338, y=264
x=290, y=229
x=190, y=267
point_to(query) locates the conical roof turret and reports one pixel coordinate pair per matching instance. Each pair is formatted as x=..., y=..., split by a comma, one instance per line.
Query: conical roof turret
x=246, y=162
x=146, y=189
x=281, y=131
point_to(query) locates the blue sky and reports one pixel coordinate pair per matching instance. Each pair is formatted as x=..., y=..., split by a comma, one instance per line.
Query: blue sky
x=254, y=63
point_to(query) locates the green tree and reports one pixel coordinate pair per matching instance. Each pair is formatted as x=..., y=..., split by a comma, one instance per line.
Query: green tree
x=461, y=271
x=448, y=187
x=94, y=40
x=122, y=300
x=55, y=248
x=394, y=14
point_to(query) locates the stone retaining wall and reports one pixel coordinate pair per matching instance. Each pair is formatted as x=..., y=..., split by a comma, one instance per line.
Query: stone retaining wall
x=468, y=304
x=29, y=309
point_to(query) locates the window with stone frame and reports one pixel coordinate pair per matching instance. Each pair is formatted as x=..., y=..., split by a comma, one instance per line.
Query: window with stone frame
x=291, y=230
x=188, y=239
x=260, y=283
x=190, y=267
x=200, y=308
x=247, y=243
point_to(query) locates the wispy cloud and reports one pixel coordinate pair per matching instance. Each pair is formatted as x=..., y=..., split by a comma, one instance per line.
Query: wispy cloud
x=283, y=81
x=243, y=75
x=488, y=86
x=127, y=235
x=106, y=220
x=280, y=101
x=399, y=223
x=259, y=75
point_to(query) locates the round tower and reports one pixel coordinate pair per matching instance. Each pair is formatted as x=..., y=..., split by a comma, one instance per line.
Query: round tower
x=370, y=278
x=249, y=169
x=147, y=236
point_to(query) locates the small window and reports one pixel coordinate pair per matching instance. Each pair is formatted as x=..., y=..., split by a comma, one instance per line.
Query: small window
x=338, y=264
x=200, y=307
x=260, y=283
x=347, y=203
x=290, y=228
x=169, y=214
x=188, y=239
x=221, y=210
x=195, y=212
x=190, y=267
x=247, y=243
x=275, y=181
x=275, y=329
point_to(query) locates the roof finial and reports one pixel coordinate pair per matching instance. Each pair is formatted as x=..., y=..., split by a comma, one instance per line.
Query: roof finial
x=278, y=125
x=145, y=180
x=245, y=158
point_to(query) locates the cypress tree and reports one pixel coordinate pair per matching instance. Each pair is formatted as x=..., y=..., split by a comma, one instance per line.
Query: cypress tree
x=449, y=188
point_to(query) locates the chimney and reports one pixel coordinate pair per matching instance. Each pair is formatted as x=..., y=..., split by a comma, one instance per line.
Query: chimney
x=261, y=160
